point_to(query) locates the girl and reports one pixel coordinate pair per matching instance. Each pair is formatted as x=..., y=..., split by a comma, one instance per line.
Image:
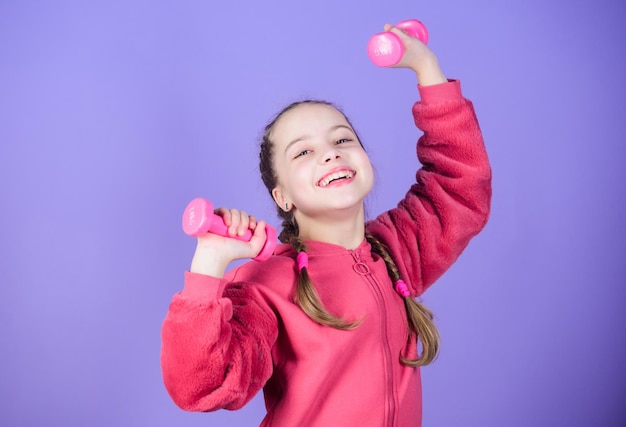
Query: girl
x=329, y=325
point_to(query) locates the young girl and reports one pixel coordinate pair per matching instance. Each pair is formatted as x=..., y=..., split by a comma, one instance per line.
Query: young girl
x=329, y=325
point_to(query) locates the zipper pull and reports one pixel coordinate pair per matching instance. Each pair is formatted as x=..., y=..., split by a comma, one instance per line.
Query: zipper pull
x=359, y=267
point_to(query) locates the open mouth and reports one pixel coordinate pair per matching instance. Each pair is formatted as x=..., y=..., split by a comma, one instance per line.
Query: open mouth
x=336, y=176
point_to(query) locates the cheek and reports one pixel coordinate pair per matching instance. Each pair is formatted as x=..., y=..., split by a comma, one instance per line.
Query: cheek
x=302, y=178
x=367, y=168
x=295, y=179
x=370, y=177
x=284, y=174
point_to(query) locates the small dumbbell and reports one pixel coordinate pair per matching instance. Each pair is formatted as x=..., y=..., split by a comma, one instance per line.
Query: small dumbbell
x=199, y=219
x=386, y=49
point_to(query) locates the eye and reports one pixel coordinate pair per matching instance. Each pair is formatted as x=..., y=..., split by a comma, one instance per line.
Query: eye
x=342, y=141
x=302, y=153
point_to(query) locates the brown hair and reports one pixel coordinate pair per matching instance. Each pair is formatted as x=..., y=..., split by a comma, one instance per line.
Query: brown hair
x=419, y=317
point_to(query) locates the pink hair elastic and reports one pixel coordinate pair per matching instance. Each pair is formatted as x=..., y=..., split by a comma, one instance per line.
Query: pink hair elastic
x=402, y=288
x=303, y=260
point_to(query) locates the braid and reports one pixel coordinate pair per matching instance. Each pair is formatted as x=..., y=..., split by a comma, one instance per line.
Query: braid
x=419, y=317
x=381, y=250
x=306, y=297
x=289, y=228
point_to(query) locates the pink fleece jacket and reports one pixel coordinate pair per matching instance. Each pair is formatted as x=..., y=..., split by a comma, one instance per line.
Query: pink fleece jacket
x=225, y=339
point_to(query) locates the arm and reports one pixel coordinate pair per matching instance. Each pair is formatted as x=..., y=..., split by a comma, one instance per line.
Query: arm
x=216, y=351
x=218, y=334
x=450, y=201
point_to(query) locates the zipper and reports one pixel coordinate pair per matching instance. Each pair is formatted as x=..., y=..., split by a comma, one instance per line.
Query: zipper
x=363, y=270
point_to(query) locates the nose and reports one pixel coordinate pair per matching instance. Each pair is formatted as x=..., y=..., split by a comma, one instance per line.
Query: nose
x=330, y=156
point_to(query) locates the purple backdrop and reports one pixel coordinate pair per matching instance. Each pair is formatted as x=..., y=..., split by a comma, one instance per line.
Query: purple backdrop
x=114, y=114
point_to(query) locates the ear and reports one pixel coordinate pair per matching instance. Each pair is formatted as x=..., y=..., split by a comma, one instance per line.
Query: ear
x=279, y=197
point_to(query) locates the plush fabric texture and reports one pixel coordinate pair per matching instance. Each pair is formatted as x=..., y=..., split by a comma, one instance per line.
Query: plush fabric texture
x=225, y=339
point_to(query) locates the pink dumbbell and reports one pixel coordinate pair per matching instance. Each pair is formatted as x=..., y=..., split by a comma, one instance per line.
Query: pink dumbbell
x=199, y=219
x=386, y=49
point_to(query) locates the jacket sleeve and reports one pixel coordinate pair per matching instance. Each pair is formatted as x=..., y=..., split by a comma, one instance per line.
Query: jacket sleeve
x=450, y=200
x=216, y=344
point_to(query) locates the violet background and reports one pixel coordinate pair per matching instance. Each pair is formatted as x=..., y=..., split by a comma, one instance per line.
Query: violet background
x=114, y=114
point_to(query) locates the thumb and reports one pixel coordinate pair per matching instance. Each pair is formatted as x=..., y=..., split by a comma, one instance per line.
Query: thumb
x=259, y=236
x=397, y=31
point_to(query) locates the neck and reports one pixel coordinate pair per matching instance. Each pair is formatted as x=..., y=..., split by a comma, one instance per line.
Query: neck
x=347, y=230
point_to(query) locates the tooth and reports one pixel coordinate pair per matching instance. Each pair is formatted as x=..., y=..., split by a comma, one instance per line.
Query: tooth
x=341, y=174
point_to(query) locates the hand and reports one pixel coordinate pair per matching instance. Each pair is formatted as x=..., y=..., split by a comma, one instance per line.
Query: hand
x=215, y=252
x=419, y=58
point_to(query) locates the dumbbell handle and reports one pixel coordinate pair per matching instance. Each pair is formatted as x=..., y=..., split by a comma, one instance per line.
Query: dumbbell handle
x=199, y=219
x=386, y=49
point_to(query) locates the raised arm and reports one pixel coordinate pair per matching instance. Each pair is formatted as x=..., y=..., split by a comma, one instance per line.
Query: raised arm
x=450, y=201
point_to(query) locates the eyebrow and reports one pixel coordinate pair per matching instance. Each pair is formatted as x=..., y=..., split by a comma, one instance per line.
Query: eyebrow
x=332, y=129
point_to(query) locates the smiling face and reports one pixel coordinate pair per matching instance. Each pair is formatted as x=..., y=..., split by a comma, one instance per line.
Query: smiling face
x=322, y=170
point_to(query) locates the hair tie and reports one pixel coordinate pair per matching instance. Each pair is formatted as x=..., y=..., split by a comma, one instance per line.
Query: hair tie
x=402, y=288
x=303, y=260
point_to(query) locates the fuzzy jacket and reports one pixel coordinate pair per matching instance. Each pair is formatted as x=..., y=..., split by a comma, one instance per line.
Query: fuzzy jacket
x=225, y=339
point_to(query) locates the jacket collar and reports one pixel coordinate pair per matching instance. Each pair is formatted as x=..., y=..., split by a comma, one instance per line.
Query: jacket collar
x=316, y=248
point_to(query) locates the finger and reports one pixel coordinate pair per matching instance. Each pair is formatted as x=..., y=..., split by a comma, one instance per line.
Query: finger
x=253, y=222
x=233, y=227
x=243, y=223
x=225, y=214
